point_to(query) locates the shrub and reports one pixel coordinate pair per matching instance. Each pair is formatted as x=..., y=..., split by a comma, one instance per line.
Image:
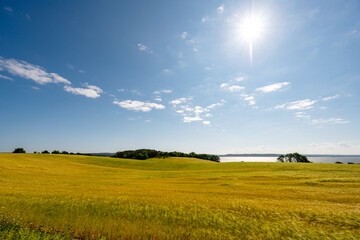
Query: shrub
x=19, y=150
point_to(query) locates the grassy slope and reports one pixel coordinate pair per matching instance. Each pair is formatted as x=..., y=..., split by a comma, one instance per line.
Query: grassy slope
x=176, y=198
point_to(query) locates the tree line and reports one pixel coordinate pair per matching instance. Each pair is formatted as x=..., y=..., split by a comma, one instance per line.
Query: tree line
x=22, y=150
x=143, y=154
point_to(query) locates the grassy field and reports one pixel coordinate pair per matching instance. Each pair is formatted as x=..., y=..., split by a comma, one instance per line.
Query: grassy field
x=82, y=197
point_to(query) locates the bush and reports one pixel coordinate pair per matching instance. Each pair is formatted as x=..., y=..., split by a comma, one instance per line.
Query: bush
x=45, y=152
x=55, y=152
x=19, y=150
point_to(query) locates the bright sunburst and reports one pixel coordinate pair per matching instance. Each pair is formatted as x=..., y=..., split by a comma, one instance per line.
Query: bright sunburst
x=251, y=29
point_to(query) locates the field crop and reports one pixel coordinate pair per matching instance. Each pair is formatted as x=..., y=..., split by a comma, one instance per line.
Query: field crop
x=46, y=196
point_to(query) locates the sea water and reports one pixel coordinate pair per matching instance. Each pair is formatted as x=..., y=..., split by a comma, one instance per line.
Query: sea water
x=273, y=159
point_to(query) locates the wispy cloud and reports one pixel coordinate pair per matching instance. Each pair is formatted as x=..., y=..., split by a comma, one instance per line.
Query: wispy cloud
x=134, y=105
x=330, y=121
x=9, y=9
x=215, y=17
x=129, y=90
x=232, y=88
x=163, y=91
x=6, y=77
x=205, y=19
x=272, y=87
x=167, y=71
x=28, y=16
x=29, y=71
x=297, y=105
x=89, y=91
x=239, y=79
x=180, y=101
x=144, y=48
x=249, y=99
x=193, y=114
x=206, y=122
x=331, y=97
x=220, y=9
x=183, y=35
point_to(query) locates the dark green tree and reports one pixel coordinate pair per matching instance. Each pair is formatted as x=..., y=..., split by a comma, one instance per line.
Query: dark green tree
x=281, y=158
x=293, y=157
x=19, y=150
x=45, y=152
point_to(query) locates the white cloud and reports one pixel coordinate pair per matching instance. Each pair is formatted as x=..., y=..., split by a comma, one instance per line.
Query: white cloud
x=249, y=99
x=192, y=119
x=232, y=88
x=184, y=35
x=35, y=88
x=30, y=71
x=220, y=10
x=167, y=71
x=147, y=120
x=273, y=87
x=219, y=104
x=331, y=97
x=206, y=122
x=235, y=88
x=158, y=92
x=330, y=120
x=297, y=105
x=95, y=88
x=193, y=114
x=239, y=79
x=6, y=77
x=90, y=91
x=138, y=105
x=158, y=99
x=205, y=19
x=9, y=9
x=195, y=50
x=144, y=48
x=180, y=101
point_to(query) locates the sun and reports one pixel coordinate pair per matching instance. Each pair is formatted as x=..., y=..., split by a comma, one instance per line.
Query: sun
x=251, y=29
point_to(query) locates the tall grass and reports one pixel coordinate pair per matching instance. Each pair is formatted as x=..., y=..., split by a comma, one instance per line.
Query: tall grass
x=64, y=197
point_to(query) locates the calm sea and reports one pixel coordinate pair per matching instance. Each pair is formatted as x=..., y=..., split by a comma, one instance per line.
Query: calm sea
x=273, y=159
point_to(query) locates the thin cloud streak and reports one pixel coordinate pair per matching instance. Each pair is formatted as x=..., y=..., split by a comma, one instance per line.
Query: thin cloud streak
x=29, y=71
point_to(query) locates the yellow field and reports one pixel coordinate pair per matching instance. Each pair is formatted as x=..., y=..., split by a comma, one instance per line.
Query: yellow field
x=64, y=196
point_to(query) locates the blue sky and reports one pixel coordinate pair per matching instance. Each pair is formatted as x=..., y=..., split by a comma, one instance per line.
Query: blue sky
x=97, y=76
